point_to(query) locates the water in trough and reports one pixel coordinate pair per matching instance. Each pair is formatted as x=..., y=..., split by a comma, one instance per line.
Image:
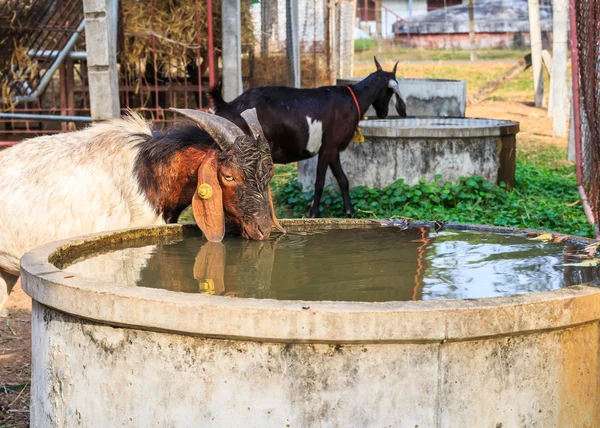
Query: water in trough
x=369, y=265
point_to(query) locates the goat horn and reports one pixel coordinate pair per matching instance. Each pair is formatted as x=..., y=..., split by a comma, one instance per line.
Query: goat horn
x=394, y=70
x=222, y=130
x=252, y=120
x=377, y=63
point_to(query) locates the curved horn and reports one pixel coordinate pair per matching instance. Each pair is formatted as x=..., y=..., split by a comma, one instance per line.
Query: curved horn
x=377, y=63
x=394, y=70
x=252, y=120
x=223, y=131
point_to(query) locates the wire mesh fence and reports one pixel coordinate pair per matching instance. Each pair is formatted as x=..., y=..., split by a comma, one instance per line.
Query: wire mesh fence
x=164, y=60
x=586, y=49
x=325, y=37
x=33, y=33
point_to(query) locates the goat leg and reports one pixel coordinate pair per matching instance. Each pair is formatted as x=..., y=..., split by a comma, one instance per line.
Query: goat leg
x=322, y=163
x=340, y=176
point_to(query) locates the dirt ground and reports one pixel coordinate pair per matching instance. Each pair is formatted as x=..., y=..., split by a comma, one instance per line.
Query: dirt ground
x=15, y=332
x=15, y=360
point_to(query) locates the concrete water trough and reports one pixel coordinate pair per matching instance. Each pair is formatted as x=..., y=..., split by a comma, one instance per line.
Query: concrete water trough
x=412, y=149
x=108, y=354
x=425, y=97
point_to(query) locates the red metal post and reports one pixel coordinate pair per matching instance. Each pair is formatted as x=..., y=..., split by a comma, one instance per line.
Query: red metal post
x=575, y=96
x=198, y=55
x=211, y=47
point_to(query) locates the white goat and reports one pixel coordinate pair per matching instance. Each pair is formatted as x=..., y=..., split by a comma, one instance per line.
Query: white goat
x=123, y=173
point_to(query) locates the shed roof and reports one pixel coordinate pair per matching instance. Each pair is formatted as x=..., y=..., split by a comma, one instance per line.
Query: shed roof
x=491, y=16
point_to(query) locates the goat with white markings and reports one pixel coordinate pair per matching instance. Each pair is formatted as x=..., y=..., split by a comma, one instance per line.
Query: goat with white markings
x=301, y=123
x=124, y=173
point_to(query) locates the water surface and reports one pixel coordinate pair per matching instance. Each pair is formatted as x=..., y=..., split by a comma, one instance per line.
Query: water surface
x=372, y=265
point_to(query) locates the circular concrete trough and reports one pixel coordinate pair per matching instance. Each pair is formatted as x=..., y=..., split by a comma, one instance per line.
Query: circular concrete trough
x=109, y=355
x=414, y=149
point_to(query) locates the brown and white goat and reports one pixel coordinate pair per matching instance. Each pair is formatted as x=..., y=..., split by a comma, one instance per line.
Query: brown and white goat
x=125, y=173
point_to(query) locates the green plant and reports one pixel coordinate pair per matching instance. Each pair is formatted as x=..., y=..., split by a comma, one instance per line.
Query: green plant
x=542, y=198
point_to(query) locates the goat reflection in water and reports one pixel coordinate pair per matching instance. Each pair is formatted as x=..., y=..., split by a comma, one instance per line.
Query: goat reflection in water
x=213, y=271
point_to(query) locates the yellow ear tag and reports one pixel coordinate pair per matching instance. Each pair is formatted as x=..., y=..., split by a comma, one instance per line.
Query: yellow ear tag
x=204, y=191
x=207, y=286
x=358, y=136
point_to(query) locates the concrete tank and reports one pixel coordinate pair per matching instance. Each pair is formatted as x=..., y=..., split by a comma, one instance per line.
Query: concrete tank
x=413, y=149
x=425, y=97
x=105, y=354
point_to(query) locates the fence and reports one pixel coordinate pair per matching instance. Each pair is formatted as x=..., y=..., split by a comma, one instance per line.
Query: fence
x=33, y=33
x=163, y=59
x=585, y=56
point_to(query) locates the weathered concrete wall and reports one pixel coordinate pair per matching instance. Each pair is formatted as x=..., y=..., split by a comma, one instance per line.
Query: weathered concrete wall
x=88, y=375
x=386, y=156
x=134, y=356
x=425, y=97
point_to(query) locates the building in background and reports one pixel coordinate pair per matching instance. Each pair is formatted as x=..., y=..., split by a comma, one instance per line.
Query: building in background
x=445, y=23
x=393, y=11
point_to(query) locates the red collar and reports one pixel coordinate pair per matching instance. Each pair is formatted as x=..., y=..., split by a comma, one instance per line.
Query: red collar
x=355, y=101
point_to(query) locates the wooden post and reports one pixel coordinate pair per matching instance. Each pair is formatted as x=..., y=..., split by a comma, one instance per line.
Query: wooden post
x=232, y=49
x=559, y=69
x=535, y=35
x=472, y=29
x=101, y=47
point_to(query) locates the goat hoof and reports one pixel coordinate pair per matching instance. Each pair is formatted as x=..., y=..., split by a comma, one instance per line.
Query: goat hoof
x=315, y=215
x=350, y=212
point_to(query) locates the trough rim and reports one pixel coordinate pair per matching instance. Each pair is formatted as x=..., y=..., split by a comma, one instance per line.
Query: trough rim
x=394, y=128
x=404, y=79
x=281, y=321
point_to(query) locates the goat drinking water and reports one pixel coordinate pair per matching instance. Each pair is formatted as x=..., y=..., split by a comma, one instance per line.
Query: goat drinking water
x=124, y=173
x=301, y=123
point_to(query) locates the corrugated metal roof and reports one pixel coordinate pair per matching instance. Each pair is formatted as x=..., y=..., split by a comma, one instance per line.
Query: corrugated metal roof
x=491, y=16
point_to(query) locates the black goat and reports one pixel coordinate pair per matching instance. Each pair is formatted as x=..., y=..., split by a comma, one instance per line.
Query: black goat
x=301, y=123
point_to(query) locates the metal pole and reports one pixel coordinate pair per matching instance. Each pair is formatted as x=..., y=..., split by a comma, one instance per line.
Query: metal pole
x=232, y=49
x=559, y=68
x=25, y=116
x=211, y=45
x=410, y=10
x=295, y=42
x=47, y=78
x=292, y=43
x=535, y=35
x=472, y=29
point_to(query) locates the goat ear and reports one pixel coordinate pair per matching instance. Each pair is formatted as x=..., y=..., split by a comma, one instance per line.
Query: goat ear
x=394, y=70
x=400, y=106
x=275, y=221
x=209, y=268
x=377, y=63
x=207, y=203
x=252, y=120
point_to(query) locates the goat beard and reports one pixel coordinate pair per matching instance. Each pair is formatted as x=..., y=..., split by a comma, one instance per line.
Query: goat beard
x=232, y=226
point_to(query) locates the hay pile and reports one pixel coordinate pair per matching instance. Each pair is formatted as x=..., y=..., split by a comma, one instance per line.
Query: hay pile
x=179, y=31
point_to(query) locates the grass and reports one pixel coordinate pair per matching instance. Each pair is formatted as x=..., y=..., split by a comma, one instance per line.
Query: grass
x=393, y=53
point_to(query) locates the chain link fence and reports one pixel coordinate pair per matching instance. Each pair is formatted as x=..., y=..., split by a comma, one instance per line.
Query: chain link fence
x=324, y=34
x=585, y=40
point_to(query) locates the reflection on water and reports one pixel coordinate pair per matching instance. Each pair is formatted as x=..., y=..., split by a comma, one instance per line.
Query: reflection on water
x=376, y=265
